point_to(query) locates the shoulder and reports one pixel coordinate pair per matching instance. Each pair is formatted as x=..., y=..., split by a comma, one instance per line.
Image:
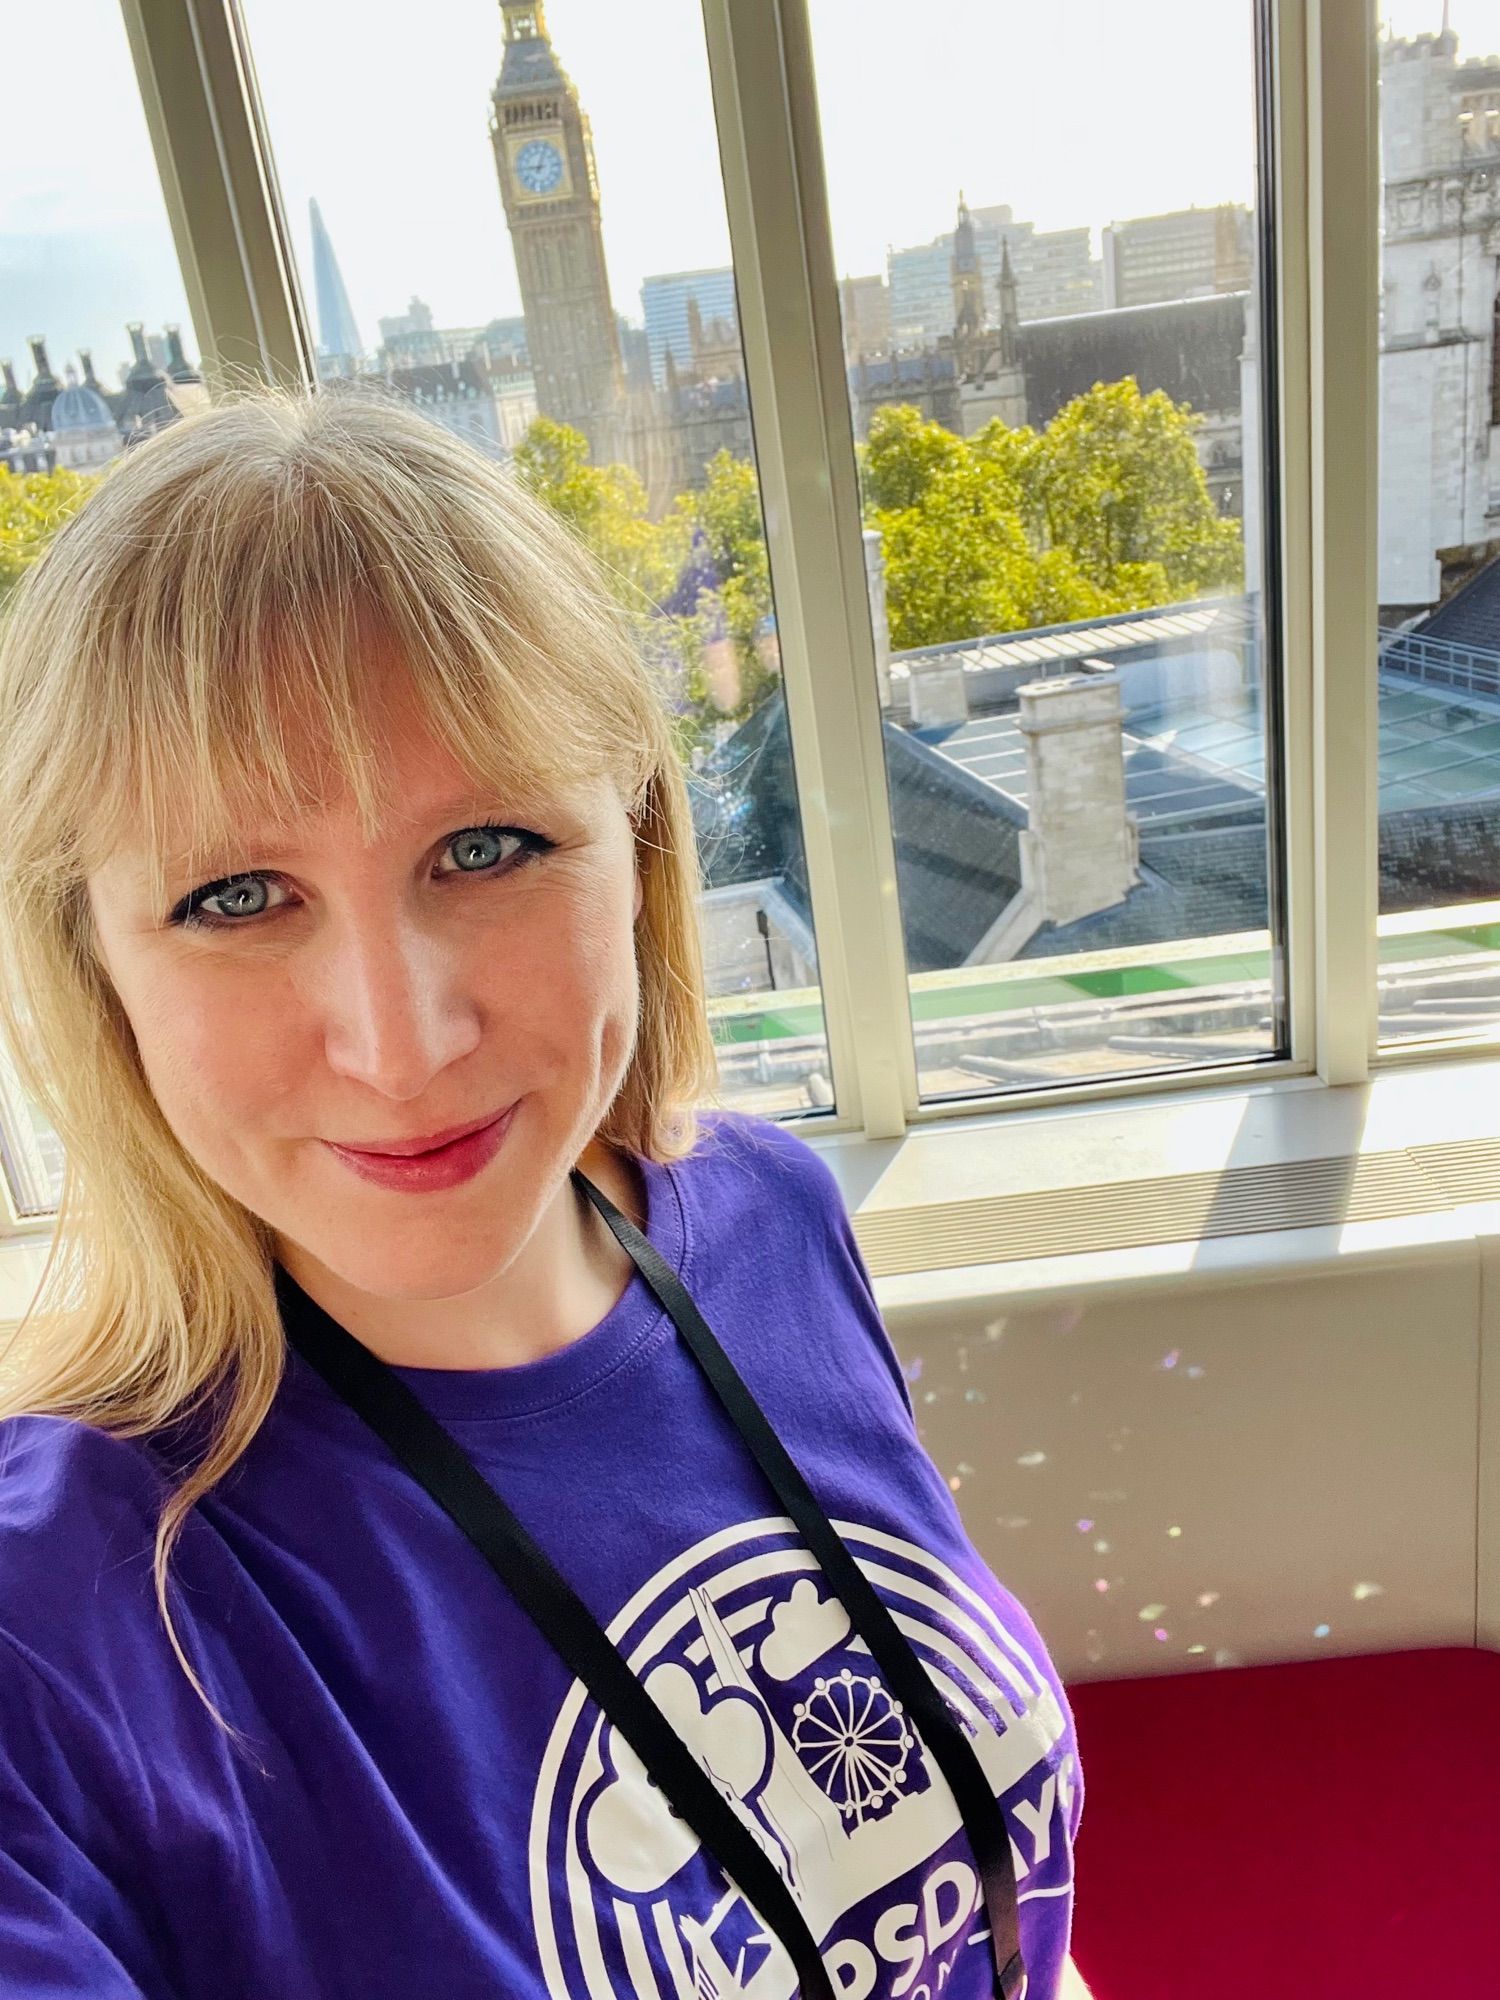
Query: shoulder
x=78, y=1511
x=752, y=1161
x=767, y=1221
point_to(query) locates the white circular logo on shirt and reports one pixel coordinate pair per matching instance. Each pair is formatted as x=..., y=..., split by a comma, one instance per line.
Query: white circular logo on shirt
x=743, y=1645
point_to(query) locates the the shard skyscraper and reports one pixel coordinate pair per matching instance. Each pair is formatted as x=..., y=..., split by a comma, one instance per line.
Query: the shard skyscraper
x=339, y=347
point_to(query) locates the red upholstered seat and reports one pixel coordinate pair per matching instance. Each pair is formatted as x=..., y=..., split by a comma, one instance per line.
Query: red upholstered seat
x=1328, y=1830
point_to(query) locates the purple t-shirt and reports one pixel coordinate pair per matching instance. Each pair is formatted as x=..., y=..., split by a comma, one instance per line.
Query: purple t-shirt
x=429, y=1803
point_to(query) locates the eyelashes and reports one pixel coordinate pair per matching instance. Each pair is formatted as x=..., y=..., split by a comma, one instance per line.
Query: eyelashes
x=190, y=914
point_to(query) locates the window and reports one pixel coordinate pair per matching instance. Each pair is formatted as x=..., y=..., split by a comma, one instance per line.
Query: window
x=1054, y=367
x=1080, y=805
x=96, y=352
x=1439, y=554
x=542, y=265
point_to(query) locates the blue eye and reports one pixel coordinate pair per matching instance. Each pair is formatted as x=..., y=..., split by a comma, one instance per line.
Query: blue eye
x=515, y=844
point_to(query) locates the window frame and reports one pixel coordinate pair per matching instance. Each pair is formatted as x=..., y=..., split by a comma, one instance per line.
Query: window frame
x=1319, y=208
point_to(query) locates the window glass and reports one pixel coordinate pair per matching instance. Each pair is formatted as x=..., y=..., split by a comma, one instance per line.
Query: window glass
x=1438, y=662
x=540, y=262
x=1054, y=347
x=96, y=352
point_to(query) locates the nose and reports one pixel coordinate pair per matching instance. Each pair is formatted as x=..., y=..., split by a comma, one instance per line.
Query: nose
x=397, y=1002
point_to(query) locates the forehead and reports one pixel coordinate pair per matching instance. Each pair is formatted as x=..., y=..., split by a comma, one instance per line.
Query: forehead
x=416, y=785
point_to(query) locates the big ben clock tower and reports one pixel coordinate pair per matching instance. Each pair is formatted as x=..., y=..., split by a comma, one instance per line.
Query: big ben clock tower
x=545, y=159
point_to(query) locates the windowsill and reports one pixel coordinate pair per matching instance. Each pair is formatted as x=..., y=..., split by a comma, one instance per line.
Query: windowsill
x=1418, y=1148
x=1381, y=1170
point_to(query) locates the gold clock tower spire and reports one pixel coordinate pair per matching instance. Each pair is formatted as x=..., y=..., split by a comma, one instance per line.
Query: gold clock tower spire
x=544, y=156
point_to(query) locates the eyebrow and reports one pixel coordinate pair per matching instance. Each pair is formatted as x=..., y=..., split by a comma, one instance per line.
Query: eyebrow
x=263, y=840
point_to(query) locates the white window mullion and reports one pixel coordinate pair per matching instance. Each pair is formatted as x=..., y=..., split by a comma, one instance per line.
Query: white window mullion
x=1344, y=287
x=1285, y=128
x=216, y=174
x=760, y=58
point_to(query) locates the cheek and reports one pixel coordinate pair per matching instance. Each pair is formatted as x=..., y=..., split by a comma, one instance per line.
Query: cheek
x=575, y=966
x=209, y=1047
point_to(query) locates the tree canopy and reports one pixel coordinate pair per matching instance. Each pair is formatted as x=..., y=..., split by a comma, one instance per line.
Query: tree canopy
x=32, y=506
x=1105, y=510
x=697, y=582
x=605, y=505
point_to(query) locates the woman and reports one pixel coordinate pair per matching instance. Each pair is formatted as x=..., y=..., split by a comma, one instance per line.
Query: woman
x=349, y=907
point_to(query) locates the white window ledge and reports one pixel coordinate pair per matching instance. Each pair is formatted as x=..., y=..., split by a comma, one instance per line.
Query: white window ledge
x=1285, y=1175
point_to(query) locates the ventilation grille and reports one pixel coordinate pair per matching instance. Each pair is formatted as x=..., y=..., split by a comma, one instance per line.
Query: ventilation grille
x=1177, y=1208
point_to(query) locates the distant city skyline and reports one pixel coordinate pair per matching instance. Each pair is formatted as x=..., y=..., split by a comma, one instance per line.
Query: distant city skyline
x=405, y=178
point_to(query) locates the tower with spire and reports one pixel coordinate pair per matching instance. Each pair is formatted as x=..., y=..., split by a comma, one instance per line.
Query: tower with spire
x=10, y=398
x=968, y=291
x=339, y=347
x=544, y=157
x=147, y=405
x=986, y=346
x=1009, y=345
x=36, y=407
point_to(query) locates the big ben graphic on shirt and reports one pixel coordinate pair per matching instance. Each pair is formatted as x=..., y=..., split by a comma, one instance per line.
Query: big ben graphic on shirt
x=744, y=1646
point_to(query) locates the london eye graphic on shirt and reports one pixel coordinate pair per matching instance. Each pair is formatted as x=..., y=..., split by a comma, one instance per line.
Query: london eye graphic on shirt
x=742, y=1643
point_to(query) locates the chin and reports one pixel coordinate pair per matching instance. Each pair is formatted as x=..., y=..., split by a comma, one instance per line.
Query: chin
x=424, y=1269
x=417, y=1247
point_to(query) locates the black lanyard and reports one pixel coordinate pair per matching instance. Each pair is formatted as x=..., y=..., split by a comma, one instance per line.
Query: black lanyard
x=440, y=1464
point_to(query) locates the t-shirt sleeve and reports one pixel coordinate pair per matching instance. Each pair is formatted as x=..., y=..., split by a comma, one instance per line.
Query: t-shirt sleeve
x=66, y=1932
x=862, y=1287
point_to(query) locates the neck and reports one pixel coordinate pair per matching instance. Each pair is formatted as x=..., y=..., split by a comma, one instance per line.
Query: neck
x=561, y=1283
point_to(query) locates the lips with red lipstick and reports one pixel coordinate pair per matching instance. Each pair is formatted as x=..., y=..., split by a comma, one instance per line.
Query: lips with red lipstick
x=405, y=1149
x=429, y=1164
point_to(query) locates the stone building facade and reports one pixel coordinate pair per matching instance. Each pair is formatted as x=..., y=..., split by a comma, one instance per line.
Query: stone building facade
x=75, y=423
x=1440, y=298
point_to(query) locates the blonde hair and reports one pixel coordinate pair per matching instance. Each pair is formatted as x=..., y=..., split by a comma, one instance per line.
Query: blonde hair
x=229, y=573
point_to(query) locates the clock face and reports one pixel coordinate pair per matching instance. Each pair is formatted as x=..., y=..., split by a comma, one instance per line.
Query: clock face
x=539, y=166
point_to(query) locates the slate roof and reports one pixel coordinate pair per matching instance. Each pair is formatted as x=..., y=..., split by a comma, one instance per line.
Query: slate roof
x=1203, y=883
x=1471, y=617
x=1190, y=348
x=1436, y=855
x=876, y=375
x=1159, y=787
x=957, y=857
x=442, y=381
x=529, y=65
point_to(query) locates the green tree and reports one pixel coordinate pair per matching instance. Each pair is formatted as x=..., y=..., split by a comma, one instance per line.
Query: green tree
x=1105, y=510
x=728, y=512
x=904, y=455
x=958, y=555
x=720, y=536
x=605, y=505
x=697, y=632
x=958, y=564
x=1116, y=479
x=33, y=506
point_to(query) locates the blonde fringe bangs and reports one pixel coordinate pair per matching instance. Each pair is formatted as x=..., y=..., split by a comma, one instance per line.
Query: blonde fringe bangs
x=210, y=637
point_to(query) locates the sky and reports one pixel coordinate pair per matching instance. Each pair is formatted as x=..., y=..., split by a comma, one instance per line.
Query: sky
x=1073, y=112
